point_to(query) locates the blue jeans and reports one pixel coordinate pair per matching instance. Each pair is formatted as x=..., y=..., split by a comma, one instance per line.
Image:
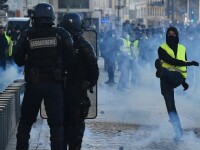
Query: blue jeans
x=52, y=94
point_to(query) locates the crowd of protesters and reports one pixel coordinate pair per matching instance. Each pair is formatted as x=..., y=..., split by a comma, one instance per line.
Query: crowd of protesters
x=7, y=40
x=130, y=48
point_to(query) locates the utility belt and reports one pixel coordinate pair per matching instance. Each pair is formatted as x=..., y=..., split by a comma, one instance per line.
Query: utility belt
x=33, y=75
x=82, y=84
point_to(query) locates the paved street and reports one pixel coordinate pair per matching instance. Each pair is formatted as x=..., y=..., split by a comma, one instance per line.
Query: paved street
x=135, y=119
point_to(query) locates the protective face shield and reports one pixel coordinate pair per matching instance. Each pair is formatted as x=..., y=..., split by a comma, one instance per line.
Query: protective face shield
x=72, y=23
x=43, y=13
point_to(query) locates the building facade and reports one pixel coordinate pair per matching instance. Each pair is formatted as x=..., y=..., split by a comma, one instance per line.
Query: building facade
x=106, y=14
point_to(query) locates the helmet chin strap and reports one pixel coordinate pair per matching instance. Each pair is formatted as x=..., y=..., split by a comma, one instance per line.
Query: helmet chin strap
x=76, y=33
x=42, y=22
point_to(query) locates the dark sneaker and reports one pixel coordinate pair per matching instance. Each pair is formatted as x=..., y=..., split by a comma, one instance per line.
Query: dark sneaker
x=158, y=64
x=121, y=89
x=107, y=82
x=110, y=82
x=113, y=82
x=178, y=138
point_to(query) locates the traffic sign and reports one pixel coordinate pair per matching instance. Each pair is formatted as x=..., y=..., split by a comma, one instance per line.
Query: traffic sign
x=104, y=20
x=3, y=1
x=4, y=7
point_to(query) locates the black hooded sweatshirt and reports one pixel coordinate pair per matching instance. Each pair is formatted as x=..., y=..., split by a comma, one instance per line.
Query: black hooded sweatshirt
x=172, y=42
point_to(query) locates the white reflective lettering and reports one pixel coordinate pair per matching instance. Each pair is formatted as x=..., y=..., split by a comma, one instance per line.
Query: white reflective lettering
x=43, y=42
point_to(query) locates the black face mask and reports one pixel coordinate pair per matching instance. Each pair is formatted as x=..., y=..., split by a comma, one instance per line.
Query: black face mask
x=172, y=42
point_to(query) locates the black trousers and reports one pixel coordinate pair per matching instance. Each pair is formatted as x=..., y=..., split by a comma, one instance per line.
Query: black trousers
x=3, y=62
x=111, y=66
x=52, y=94
x=168, y=82
x=76, y=107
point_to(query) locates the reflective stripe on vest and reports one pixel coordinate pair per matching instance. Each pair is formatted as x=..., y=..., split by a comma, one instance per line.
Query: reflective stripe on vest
x=180, y=56
x=125, y=48
x=136, y=49
x=10, y=44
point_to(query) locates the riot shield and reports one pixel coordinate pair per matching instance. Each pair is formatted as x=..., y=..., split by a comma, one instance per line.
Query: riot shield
x=91, y=36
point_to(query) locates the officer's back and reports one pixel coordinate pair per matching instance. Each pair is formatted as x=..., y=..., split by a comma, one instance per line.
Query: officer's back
x=44, y=54
x=44, y=51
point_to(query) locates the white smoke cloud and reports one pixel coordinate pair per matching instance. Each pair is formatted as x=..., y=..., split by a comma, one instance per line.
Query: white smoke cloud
x=144, y=105
x=9, y=75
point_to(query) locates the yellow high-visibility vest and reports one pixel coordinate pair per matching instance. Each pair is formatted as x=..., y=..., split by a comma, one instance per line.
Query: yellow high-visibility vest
x=135, y=49
x=125, y=48
x=181, y=51
x=10, y=43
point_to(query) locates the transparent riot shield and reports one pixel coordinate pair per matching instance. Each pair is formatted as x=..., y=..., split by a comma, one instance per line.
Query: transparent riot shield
x=91, y=36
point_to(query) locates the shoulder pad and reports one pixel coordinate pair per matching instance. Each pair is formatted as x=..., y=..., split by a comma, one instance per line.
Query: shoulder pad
x=23, y=35
x=61, y=31
x=84, y=42
x=30, y=31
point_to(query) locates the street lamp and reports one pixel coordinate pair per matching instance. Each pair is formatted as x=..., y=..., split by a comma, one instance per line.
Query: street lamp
x=170, y=10
x=118, y=7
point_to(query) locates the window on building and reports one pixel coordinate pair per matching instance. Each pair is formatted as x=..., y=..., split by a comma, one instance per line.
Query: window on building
x=29, y=2
x=126, y=11
x=73, y=4
x=43, y=1
x=110, y=3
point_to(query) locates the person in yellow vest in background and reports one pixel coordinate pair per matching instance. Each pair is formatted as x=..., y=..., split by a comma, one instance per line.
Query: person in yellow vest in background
x=172, y=71
x=13, y=34
x=135, y=50
x=5, y=48
x=124, y=56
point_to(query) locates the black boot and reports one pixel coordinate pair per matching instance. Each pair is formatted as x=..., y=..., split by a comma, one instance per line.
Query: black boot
x=65, y=143
x=75, y=137
x=23, y=136
x=22, y=143
x=56, y=143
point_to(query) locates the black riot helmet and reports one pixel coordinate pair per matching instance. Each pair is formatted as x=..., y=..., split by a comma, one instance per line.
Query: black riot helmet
x=72, y=23
x=43, y=14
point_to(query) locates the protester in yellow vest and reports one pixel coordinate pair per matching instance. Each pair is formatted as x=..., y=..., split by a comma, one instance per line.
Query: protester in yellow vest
x=172, y=71
x=123, y=58
x=134, y=61
x=4, y=47
x=135, y=49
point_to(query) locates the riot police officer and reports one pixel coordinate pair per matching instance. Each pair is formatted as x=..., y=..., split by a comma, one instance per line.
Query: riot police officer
x=44, y=51
x=83, y=76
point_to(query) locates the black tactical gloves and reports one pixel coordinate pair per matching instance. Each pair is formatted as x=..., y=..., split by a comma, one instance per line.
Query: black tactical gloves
x=185, y=85
x=192, y=63
x=85, y=85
